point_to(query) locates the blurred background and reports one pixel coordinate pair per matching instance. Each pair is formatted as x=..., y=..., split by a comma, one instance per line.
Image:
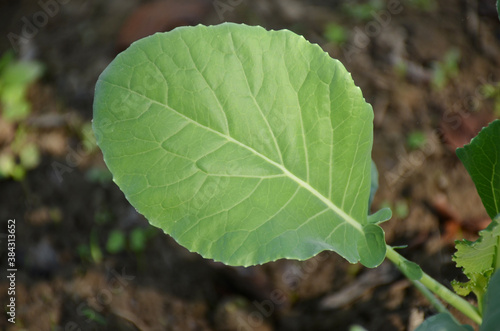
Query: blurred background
x=87, y=260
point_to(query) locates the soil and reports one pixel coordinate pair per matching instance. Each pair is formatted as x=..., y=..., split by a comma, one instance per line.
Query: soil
x=67, y=208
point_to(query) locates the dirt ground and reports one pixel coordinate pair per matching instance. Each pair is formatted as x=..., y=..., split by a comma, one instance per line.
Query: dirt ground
x=67, y=208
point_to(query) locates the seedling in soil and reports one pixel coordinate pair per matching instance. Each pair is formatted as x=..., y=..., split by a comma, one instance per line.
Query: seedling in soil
x=416, y=140
x=335, y=33
x=446, y=70
x=424, y=5
x=492, y=91
x=21, y=154
x=362, y=11
x=249, y=146
x=116, y=242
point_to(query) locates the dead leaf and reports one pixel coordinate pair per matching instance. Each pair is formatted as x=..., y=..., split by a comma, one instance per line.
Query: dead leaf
x=458, y=128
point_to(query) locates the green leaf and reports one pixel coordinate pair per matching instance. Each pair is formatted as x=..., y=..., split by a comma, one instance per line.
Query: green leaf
x=15, y=78
x=29, y=156
x=357, y=328
x=116, y=242
x=479, y=259
x=380, y=216
x=481, y=158
x=383, y=214
x=95, y=249
x=442, y=322
x=491, y=316
x=481, y=255
x=371, y=245
x=138, y=238
x=478, y=283
x=374, y=183
x=410, y=269
x=336, y=33
x=244, y=145
x=498, y=8
x=21, y=73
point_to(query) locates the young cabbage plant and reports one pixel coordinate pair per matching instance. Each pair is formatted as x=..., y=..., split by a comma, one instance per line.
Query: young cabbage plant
x=249, y=146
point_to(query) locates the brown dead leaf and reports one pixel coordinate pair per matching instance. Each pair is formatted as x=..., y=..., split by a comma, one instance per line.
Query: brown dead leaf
x=458, y=128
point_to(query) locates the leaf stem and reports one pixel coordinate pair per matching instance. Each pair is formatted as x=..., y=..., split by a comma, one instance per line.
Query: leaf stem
x=437, y=288
x=432, y=299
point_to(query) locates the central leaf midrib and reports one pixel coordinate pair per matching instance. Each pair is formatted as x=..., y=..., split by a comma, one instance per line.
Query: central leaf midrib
x=296, y=179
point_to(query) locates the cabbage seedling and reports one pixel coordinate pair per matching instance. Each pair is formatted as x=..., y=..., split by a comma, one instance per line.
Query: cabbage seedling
x=249, y=146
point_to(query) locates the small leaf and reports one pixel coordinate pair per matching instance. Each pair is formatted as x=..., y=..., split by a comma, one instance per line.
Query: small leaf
x=479, y=259
x=478, y=283
x=29, y=156
x=21, y=73
x=383, y=214
x=412, y=270
x=481, y=158
x=138, y=238
x=491, y=316
x=244, y=145
x=442, y=322
x=95, y=249
x=371, y=246
x=357, y=328
x=481, y=255
x=116, y=242
x=380, y=216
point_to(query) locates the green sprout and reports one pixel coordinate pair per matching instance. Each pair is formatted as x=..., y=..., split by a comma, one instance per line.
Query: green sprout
x=15, y=79
x=335, y=33
x=362, y=11
x=446, y=70
x=492, y=91
x=416, y=140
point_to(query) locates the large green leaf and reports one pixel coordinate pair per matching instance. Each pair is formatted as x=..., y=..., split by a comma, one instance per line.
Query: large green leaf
x=481, y=158
x=491, y=316
x=442, y=322
x=245, y=145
